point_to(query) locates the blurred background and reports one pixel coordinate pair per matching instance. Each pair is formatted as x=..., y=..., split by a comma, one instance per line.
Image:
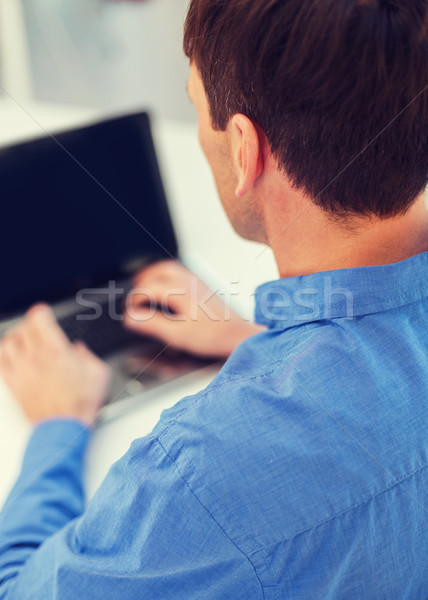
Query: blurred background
x=111, y=55
x=67, y=63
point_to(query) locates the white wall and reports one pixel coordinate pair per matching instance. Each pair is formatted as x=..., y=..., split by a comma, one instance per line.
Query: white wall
x=110, y=54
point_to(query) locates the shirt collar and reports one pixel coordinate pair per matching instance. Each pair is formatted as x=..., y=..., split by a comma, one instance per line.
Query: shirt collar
x=345, y=293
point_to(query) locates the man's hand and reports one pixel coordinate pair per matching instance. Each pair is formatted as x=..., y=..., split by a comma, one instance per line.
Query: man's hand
x=48, y=375
x=189, y=316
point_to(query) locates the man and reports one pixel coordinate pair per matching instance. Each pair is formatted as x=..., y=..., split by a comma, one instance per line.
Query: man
x=301, y=471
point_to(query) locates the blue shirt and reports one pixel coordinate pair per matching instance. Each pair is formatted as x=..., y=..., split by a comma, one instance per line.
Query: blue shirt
x=300, y=472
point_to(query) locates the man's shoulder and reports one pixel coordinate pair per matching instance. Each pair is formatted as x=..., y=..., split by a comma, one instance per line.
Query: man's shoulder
x=255, y=432
x=255, y=362
x=289, y=414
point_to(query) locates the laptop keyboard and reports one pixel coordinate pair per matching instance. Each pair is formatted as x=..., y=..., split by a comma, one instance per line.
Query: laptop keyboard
x=150, y=362
x=103, y=335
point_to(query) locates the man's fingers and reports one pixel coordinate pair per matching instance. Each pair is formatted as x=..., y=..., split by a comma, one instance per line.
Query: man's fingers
x=20, y=332
x=43, y=328
x=97, y=365
x=161, y=295
x=87, y=354
x=150, y=322
x=165, y=269
x=31, y=334
x=163, y=276
x=12, y=348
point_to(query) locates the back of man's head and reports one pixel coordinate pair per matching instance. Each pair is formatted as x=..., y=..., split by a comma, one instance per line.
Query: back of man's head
x=340, y=89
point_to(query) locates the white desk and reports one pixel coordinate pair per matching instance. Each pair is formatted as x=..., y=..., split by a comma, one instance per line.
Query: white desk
x=202, y=230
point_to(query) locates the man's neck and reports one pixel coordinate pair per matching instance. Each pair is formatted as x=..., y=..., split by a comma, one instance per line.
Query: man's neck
x=313, y=243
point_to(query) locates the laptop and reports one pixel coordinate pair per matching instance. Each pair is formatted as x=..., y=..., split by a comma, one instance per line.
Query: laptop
x=82, y=214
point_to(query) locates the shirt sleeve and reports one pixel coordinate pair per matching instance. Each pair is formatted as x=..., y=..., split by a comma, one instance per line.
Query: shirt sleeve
x=144, y=535
x=46, y=496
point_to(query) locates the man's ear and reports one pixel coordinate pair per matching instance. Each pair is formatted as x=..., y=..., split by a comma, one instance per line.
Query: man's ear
x=247, y=153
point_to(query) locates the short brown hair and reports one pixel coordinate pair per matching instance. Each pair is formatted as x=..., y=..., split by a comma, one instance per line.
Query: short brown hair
x=338, y=87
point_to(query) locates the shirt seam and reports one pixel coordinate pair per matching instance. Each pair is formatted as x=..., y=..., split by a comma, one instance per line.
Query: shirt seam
x=209, y=390
x=373, y=307
x=246, y=556
x=346, y=510
x=401, y=296
x=202, y=395
x=263, y=548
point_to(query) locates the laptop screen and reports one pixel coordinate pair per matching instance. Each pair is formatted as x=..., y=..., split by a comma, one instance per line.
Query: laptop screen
x=79, y=210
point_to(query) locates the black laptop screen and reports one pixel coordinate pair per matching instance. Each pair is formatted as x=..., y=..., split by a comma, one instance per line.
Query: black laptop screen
x=79, y=210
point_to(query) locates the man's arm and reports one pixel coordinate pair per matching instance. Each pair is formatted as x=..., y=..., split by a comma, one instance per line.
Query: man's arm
x=46, y=549
x=62, y=386
x=145, y=535
x=47, y=495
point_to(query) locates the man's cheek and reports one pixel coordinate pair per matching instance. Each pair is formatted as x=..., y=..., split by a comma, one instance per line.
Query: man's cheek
x=209, y=149
x=203, y=142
